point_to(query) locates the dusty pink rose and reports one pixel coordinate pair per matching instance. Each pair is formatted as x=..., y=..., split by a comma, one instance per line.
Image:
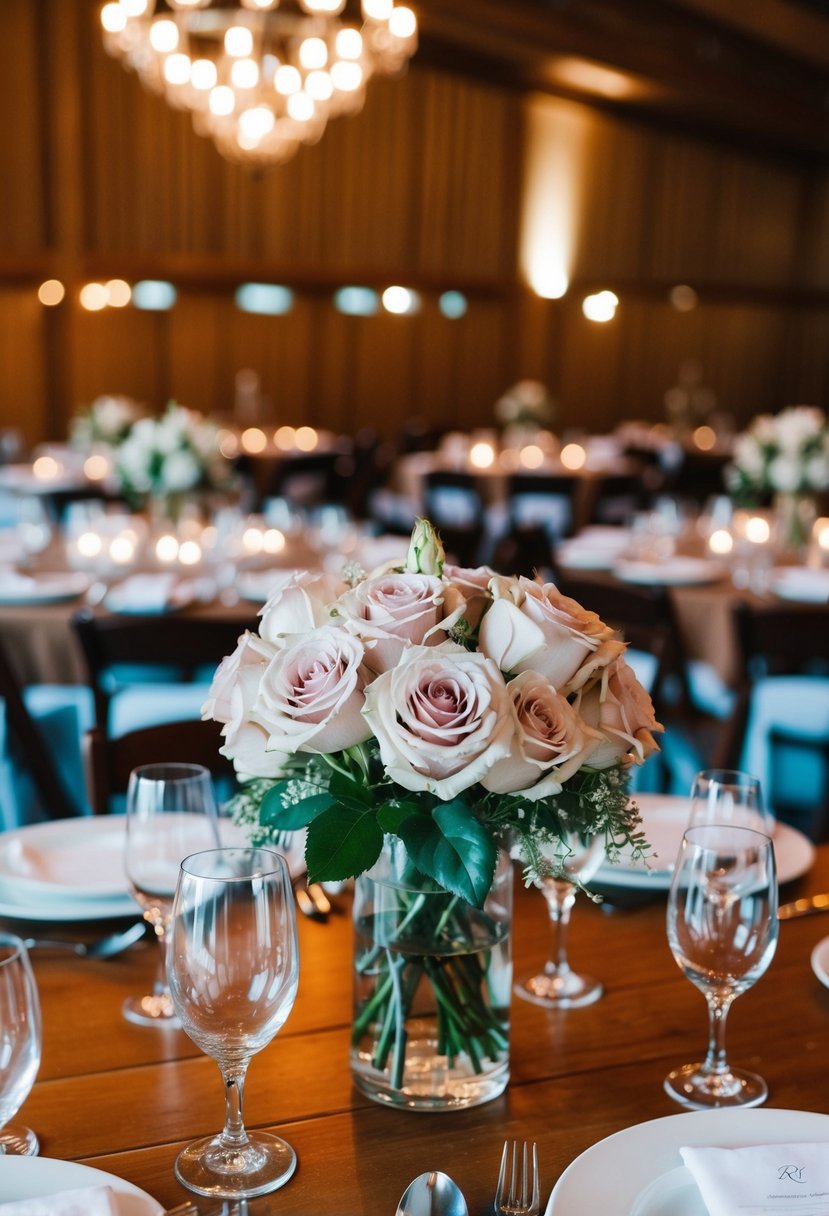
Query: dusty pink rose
x=232, y=695
x=311, y=694
x=617, y=705
x=391, y=611
x=442, y=718
x=551, y=742
x=472, y=586
x=533, y=627
x=298, y=603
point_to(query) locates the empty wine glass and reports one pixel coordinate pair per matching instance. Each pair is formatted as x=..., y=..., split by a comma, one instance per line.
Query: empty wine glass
x=171, y=812
x=233, y=968
x=19, y=1043
x=558, y=986
x=722, y=930
x=729, y=796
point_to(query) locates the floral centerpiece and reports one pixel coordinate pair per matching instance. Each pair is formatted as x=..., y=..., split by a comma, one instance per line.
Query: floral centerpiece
x=526, y=404
x=105, y=424
x=440, y=715
x=785, y=456
x=163, y=459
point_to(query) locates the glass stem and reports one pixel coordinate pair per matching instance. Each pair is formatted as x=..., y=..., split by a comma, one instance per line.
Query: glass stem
x=233, y=1133
x=560, y=897
x=719, y=1004
x=160, y=986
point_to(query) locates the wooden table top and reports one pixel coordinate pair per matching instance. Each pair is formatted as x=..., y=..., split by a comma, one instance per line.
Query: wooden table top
x=125, y=1099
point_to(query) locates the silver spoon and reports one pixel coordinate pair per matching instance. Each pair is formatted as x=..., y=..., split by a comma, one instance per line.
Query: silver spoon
x=105, y=947
x=432, y=1194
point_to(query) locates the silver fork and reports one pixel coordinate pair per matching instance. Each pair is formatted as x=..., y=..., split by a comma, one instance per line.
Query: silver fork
x=521, y=1199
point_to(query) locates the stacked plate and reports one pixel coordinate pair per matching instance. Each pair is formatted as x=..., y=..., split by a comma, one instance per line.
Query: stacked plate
x=801, y=584
x=594, y=548
x=672, y=572
x=65, y=870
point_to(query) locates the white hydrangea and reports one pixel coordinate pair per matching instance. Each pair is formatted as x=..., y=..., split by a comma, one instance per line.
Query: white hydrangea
x=785, y=453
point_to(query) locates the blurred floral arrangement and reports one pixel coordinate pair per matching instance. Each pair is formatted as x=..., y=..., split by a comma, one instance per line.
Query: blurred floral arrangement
x=527, y=402
x=785, y=453
x=105, y=423
x=450, y=708
x=171, y=455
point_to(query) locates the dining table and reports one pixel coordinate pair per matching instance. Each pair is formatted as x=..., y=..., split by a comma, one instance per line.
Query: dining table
x=125, y=1099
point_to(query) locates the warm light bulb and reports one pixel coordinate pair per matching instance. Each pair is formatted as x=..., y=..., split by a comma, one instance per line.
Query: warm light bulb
x=89, y=544
x=601, y=306
x=377, y=10
x=119, y=293
x=402, y=22
x=166, y=548
x=203, y=74
x=164, y=36
x=313, y=53
x=705, y=438
x=135, y=8
x=256, y=123
x=287, y=80
x=531, y=456
x=482, y=455
x=254, y=440
x=397, y=300
x=189, y=553
x=239, y=41
x=349, y=43
x=306, y=438
x=319, y=86
x=177, y=68
x=573, y=456
x=244, y=74
x=346, y=75
x=222, y=100
x=721, y=542
x=122, y=550
x=46, y=468
x=96, y=467
x=93, y=297
x=300, y=107
x=758, y=530
x=51, y=292
x=273, y=541
x=113, y=18
x=284, y=437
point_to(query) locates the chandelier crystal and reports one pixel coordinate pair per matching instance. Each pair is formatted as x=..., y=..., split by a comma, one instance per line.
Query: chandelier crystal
x=262, y=78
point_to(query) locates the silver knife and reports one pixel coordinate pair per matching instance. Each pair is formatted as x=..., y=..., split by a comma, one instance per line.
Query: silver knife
x=804, y=907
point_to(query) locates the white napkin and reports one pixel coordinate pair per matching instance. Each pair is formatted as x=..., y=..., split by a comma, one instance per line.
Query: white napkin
x=90, y=1201
x=775, y=1178
x=142, y=593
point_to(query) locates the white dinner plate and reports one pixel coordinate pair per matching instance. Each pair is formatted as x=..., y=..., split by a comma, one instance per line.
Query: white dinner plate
x=639, y=1171
x=64, y=859
x=820, y=961
x=801, y=584
x=673, y=571
x=36, y=1177
x=43, y=588
x=664, y=819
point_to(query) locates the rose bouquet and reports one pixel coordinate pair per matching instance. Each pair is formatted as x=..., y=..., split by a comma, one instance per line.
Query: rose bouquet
x=165, y=458
x=452, y=713
x=785, y=453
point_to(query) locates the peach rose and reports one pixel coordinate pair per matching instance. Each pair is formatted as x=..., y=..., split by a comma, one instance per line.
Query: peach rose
x=391, y=611
x=533, y=627
x=232, y=695
x=618, y=706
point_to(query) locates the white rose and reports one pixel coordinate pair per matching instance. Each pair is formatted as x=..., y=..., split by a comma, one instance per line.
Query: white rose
x=311, y=694
x=180, y=471
x=550, y=745
x=233, y=693
x=533, y=627
x=785, y=473
x=442, y=718
x=298, y=603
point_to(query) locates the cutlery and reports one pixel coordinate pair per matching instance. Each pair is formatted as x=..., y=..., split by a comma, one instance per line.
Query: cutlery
x=804, y=907
x=521, y=1199
x=432, y=1194
x=105, y=947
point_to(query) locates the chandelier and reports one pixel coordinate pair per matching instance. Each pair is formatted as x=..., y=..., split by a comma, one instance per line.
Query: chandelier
x=264, y=77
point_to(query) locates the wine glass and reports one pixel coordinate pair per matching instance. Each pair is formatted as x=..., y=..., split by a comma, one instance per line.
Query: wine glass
x=171, y=811
x=729, y=796
x=557, y=986
x=19, y=1043
x=722, y=930
x=233, y=967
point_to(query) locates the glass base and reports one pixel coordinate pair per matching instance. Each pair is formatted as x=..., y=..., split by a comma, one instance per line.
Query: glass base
x=556, y=989
x=18, y=1141
x=693, y=1086
x=154, y=1010
x=429, y=1083
x=263, y=1164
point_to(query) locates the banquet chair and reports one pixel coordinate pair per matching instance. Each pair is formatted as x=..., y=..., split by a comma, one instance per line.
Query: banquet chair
x=779, y=729
x=32, y=757
x=149, y=669
x=545, y=500
x=617, y=498
x=108, y=762
x=452, y=500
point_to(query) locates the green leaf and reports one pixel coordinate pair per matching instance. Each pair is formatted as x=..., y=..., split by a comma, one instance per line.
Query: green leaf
x=391, y=816
x=454, y=849
x=342, y=842
x=349, y=792
x=289, y=818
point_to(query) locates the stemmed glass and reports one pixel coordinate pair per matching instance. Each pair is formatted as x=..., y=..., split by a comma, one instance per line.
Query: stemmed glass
x=19, y=1043
x=729, y=796
x=722, y=930
x=557, y=986
x=171, y=811
x=233, y=967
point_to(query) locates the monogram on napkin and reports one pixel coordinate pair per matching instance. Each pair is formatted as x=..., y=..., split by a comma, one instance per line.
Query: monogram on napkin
x=776, y=1178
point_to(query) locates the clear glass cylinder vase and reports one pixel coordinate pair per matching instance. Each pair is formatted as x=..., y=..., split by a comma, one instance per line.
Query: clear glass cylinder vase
x=795, y=515
x=432, y=985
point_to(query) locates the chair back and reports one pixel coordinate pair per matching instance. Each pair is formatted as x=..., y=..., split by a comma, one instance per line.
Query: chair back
x=181, y=644
x=543, y=500
x=109, y=762
x=31, y=747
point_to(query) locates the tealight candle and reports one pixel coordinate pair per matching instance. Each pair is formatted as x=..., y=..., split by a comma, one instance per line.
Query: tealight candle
x=46, y=468
x=273, y=541
x=758, y=530
x=482, y=455
x=252, y=540
x=573, y=456
x=122, y=549
x=531, y=456
x=96, y=467
x=189, y=553
x=89, y=544
x=166, y=548
x=720, y=542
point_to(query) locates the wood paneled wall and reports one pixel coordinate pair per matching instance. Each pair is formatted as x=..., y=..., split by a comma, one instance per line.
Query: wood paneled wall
x=423, y=188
